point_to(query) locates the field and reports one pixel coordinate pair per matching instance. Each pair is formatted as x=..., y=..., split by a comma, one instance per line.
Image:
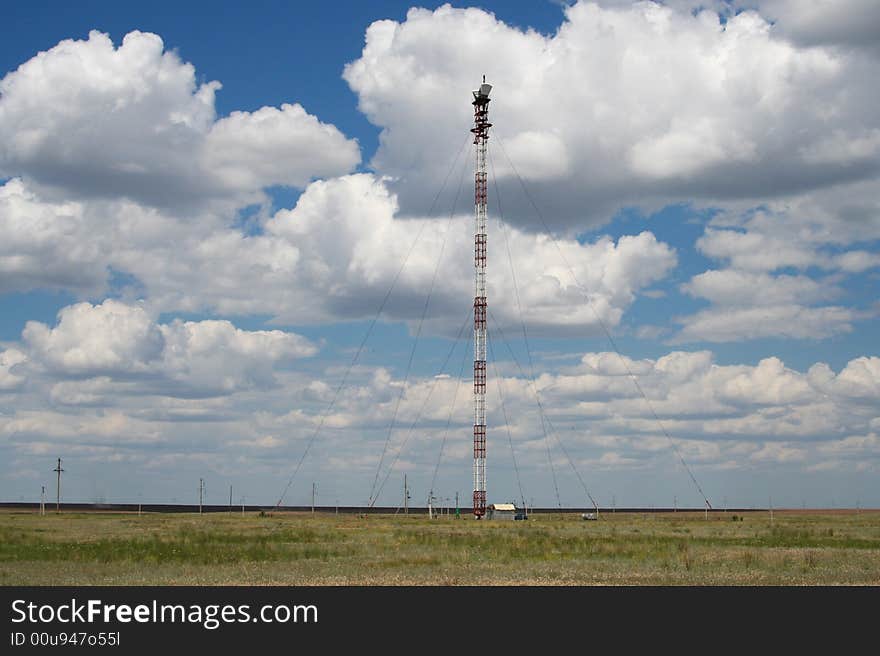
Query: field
x=92, y=548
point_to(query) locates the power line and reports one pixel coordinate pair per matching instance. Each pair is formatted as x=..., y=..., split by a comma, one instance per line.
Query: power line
x=543, y=413
x=522, y=496
x=464, y=359
x=605, y=329
x=369, y=331
x=421, y=409
x=522, y=322
x=571, y=463
x=417, y=335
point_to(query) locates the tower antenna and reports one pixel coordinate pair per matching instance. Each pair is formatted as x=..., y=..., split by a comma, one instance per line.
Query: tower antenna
x=481, y=140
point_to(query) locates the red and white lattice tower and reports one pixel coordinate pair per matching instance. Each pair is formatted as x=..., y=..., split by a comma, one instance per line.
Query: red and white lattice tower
x=481, y=139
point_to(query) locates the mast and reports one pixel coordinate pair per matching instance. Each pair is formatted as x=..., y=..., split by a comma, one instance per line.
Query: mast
x=58, y=471
x=481, y=139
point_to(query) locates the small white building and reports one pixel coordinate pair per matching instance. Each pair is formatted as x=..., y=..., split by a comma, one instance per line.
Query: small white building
x=501, y=511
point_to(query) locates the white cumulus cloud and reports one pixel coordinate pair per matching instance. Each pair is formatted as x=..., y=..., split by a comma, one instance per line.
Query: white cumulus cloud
x=46, y=245
x=94, y=339
x=95, y=120
x=9, y=359
x=116, y=341
x=627, y=103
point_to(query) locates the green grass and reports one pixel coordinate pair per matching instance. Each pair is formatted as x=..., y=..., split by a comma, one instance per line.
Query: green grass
x=301, y=549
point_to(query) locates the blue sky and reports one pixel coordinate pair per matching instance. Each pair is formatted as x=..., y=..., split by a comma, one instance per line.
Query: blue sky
x=189, y=268
x=254, y=49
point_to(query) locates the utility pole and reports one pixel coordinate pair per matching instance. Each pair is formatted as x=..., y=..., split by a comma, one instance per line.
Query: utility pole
x=314, y=485
x=42, y=500
x=405, y=497
x=481, y=141
x=58, y=471
x=771, y=509
x=201, y=493
x=230, y=499
x=242, y=506
x=675, y=504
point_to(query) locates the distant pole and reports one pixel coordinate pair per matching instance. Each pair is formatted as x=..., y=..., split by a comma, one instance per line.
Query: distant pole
x=771, y=509
x=430, y=507
x=58, y=471
x=242, y=506
x=674, y=504
x=405, y=497
x=42, y=500
x=725, y=505
x=313, y=497
x=230, y=499
x=457, y=511
x=707, y=510
x=201, y=492
x=613, y=504
x=337, y=505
